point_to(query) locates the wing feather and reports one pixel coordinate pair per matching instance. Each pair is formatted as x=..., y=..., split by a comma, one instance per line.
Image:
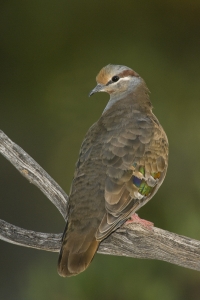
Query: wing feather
x=138, y=150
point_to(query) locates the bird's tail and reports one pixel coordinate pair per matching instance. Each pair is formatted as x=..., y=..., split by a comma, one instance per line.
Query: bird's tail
x=76, y=254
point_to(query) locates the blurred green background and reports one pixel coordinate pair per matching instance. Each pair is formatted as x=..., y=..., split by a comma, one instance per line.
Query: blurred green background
x=50, y=53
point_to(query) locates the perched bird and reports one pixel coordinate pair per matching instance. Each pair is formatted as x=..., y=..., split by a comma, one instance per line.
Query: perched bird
x=122, y=163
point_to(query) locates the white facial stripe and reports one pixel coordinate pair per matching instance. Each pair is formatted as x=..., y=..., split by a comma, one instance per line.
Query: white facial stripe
x=125, y=78
x=122, y=79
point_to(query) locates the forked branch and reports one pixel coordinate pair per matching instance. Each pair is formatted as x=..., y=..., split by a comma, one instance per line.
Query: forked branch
x=131, y=240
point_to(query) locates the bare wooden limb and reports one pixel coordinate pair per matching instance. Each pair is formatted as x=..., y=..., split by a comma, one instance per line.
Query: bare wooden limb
x=131, y=240
x=136, y=241
x=28, y=238
x=34, y=173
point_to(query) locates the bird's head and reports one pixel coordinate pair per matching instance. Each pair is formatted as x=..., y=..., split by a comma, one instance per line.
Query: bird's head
x=116, y=80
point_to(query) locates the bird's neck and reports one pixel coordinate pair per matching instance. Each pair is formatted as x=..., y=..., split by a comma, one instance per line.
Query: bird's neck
x=137, y=96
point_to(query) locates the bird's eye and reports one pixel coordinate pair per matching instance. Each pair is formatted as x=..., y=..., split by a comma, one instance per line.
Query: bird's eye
x=115, y=78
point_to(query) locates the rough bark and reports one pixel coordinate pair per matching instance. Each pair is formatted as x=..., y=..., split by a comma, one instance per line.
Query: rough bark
x=132, y=240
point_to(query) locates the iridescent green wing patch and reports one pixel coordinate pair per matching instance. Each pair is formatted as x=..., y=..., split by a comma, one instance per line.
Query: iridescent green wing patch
x=143, y=188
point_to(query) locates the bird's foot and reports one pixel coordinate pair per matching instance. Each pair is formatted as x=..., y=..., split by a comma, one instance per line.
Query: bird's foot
x=136, y=219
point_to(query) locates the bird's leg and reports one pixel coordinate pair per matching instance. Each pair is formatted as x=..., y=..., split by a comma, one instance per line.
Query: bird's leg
x=134, y=218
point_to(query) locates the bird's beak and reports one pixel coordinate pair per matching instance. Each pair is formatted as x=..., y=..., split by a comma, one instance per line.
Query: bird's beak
x=98, y=88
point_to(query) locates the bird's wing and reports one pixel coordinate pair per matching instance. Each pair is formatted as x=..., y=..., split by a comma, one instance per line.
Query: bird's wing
x=136, y=159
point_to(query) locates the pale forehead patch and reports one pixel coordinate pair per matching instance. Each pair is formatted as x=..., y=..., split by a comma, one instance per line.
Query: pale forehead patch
x=103, y=76
x=112, y=70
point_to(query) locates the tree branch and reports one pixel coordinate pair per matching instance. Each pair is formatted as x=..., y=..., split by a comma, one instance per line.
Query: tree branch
x=131, y=240
x=35, y=174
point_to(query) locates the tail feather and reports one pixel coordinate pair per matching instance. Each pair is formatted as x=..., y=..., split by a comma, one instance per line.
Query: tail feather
x=72, y=263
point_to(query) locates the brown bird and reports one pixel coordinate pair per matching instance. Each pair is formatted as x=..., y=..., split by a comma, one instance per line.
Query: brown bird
x=122, y=163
